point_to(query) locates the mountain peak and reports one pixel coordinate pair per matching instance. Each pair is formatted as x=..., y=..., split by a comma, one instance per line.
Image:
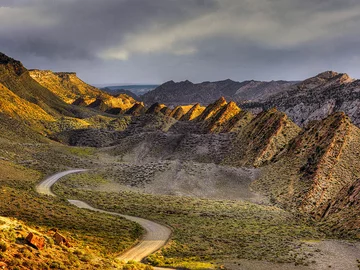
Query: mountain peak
x=16, y=65
x=4, y=59
x=213, y=109
x=221, y=100
x=193, y=113
x=327, y=74
x=169, y=83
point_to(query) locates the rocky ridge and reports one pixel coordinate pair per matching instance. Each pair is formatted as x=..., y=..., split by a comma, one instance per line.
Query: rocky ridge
x=72, y=90
x=316, y=98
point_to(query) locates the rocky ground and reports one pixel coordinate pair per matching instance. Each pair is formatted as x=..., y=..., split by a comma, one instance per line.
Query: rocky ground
x=181, y=178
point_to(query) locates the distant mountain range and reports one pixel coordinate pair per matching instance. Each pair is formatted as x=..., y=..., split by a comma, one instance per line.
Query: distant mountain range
x=172, y=93
x=312, y=99
x=315, y=98
x=137, y=89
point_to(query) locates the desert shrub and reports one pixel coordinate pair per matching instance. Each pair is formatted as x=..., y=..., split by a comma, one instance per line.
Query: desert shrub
x=3, y=246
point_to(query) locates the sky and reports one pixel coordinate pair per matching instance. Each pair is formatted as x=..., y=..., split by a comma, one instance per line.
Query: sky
x=153, y=41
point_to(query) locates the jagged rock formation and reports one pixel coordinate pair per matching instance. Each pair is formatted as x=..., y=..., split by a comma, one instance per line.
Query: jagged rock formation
x=315, y=166
x=193, y=113
x=218, y=122
x=136, y=110
x=312, y=99
x=261, y=139
x=72, y=90
x=186, y=92
x=166, y=111
x=222, y=133
x=155, y=108
x=238, y=122
x=212, y=109
x=316, y=98
x=177, y=113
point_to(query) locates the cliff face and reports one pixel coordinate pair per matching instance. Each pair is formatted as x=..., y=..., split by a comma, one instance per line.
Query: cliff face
x=71, y=89
x=316, y=98
x=186, y=92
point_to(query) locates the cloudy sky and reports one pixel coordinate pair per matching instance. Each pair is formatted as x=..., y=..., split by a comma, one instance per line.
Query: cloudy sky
x=152, y=41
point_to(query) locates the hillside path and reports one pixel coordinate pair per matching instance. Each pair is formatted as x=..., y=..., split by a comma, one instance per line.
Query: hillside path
x=155, y=237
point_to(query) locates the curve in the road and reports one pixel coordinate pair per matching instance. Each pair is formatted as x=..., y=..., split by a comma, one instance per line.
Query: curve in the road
x=155, y=237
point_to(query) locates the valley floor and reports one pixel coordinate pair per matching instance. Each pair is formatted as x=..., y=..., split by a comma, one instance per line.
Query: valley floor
x=243, y=231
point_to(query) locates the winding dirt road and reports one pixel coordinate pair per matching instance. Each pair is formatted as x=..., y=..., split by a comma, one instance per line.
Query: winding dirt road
x=156, y=235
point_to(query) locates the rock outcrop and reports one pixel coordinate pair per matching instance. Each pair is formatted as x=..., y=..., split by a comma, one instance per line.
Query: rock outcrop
x=35, y=241
x=238, y=122
x=212, y=109
x=166, y=111
x=220, y=120
x=316, y=98
x=137, y=109
x=155, y=108
x=193, y=113
x=61, y=240
x=177, y=113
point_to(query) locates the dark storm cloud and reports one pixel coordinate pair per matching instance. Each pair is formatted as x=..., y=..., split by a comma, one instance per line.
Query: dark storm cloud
x=156, y=40
x=78, y=28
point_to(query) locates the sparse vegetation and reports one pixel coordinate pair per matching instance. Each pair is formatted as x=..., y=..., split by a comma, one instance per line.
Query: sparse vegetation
x=99, y=237
x=208, y=230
